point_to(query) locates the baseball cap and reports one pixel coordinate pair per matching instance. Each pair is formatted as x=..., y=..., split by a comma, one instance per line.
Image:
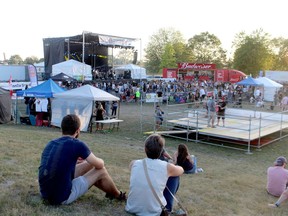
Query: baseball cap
x=280, y=161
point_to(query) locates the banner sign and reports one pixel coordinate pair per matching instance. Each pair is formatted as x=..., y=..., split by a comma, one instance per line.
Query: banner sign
x=32, y=75
x=195, y=66
x=116, y=41
x=152, y=97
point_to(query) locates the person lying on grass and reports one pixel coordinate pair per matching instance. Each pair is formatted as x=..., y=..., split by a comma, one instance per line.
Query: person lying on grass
x=62, y=179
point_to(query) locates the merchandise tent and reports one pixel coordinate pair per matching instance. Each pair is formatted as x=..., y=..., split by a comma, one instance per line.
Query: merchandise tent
x=46, y=89
x=79, y=101
x=5, y=106
x=270, y=88
x=249, y=81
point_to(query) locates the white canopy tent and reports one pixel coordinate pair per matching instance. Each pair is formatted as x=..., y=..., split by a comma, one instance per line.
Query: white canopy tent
x=137, y=72
x=270, y=88
x=73, y=68
x=79, y=101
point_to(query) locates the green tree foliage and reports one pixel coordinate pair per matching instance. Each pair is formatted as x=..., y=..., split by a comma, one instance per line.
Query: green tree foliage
x=157, y=45
x=15, y=60
x=31, y=60
x=206, y=48
x=280, y=48
x=253, y=52
x=168, y=57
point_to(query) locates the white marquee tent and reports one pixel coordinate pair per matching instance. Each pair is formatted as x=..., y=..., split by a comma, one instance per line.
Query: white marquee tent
x=137, y=72
x=270, y=88
x=73, y=68
x=79, y=101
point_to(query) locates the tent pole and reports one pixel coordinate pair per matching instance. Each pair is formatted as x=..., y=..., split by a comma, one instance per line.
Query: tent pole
x=16, y=110
x=118, y=109
x=83, y=47
x=91, y=118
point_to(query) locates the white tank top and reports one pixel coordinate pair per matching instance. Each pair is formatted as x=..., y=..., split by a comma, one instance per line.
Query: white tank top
x=141, y=200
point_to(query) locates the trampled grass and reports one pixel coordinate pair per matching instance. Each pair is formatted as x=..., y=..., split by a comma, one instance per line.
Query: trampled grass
x=233, y=183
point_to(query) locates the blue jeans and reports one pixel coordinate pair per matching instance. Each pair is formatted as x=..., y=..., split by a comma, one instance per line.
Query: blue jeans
x=194, y=169
x=173, y=185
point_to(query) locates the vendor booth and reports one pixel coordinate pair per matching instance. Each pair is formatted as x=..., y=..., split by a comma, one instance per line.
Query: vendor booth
x=5, y=106
x=79, y=101
x=38, y=101
x=249, y=81
x=271, y=88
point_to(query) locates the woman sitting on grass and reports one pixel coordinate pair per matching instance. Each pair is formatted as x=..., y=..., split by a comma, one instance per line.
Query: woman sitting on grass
x=185, y=160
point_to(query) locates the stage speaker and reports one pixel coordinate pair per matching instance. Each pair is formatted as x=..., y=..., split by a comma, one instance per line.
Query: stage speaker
x=135, y=57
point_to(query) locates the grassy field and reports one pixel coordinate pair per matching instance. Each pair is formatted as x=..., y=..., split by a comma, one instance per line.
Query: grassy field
x=233, y=183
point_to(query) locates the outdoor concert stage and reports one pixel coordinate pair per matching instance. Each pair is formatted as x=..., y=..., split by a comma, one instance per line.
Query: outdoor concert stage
x=245, y=127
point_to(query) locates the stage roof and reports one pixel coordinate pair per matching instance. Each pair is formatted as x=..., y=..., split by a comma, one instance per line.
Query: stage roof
x=57, y=49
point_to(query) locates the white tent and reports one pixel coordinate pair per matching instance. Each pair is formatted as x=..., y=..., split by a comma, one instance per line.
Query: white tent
x=73, y=68
x=79, y=101
x=270, y=88
x=137, y=72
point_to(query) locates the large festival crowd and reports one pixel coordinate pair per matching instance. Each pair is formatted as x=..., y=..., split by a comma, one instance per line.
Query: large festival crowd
x=186, y=91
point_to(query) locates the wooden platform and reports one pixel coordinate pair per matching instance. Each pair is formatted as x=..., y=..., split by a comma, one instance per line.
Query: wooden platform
x=170, y=132
x=241, y=125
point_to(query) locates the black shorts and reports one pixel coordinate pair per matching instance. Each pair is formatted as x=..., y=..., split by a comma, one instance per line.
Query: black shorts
x=220, y=115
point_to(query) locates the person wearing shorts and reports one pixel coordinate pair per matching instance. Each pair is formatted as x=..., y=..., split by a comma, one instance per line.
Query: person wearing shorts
x=68, y=168
x=221, y=111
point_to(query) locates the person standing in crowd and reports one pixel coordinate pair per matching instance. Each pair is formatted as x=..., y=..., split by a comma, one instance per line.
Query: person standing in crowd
x=202, y=93
x=211, y=107
x=137, y=95
x=114, y=108
x=61, y=179
x=100, y=112
x=141, y=200
x=158, y=116
x=277, y=177
x=284, y=103
x=221, y=111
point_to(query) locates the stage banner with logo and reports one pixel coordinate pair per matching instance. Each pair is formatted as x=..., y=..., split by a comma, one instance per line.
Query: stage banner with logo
x=32, y=75
x=116, y=41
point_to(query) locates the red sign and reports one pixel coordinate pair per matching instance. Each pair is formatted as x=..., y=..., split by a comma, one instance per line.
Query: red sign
x=195, y=66
x=169, y=72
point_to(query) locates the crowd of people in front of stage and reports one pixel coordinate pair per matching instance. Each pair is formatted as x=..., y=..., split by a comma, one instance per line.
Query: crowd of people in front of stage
x=184, y=91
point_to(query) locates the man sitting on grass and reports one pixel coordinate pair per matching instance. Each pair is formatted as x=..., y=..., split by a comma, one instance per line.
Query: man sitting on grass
x=61, y=178
x=277, y=180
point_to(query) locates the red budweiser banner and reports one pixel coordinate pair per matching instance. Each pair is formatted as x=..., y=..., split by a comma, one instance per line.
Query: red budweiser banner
x=194, y=66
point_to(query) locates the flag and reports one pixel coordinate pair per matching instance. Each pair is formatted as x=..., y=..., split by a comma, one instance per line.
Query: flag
x=10, y=86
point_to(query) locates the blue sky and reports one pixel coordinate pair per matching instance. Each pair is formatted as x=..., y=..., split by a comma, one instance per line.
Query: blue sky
x=25, y=23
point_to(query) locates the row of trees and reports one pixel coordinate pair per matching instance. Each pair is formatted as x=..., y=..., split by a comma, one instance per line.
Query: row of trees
x=17, y=60
x=252, y=53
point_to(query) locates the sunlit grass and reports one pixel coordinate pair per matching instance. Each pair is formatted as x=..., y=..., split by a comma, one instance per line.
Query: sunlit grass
x=233, y=183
